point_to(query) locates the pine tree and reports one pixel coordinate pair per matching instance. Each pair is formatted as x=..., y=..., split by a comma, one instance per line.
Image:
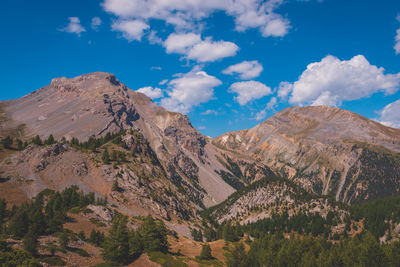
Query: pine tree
x=81, y=235
x=20, y=145
x=64, y=240
x=50, y=140
x=37, y=141
x=30, y=242
x=116, y=244
x=3, y=206
x=210, y=234
x=197, y=235
x=237, y=258
x=114, y=156
x=205, y=252
x=51, y=247
x=230, y=233
x=135, y=245
x=7, y=142
x=153, y=235
x=18, y=225
x=106, y=157
x=121, y=156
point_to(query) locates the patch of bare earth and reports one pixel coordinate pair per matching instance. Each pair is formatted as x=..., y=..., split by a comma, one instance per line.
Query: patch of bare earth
x=80, y=222
x=191, y=248
x=144, y=261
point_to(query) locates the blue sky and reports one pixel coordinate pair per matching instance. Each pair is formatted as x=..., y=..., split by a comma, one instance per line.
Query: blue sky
x=227, y=64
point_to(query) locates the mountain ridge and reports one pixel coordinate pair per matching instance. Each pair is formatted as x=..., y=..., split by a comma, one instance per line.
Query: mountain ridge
x=303, y=143
x=325, y=150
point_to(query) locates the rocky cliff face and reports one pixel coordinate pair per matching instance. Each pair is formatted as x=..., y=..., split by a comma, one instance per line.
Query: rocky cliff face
x=169, y=169
x=326, y=150
x=170, y=166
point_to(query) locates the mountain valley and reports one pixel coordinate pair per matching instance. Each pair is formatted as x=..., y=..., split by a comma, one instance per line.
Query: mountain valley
x=315, y=171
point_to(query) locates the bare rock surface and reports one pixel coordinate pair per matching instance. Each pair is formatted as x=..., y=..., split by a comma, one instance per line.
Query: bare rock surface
x=97, y=103
x=327, y=150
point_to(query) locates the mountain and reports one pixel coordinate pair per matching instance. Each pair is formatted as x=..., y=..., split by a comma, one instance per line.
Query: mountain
x=160, y=164
x=163, y=152
x=329, y=151
x=81, y=152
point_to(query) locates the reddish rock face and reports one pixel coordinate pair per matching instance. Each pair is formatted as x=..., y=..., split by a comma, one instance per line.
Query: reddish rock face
x=172, y=170
x=95, y=104
x=327, y=150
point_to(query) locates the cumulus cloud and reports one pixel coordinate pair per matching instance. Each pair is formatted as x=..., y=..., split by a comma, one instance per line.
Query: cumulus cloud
x=188, y=15
x=209, y=51
x=181, y=43
x=190, y=89
x=390, y=115
x=284, y=89
x=270, y=106
x=153, y=38
x=331, y=81
x=74, y=26
x=248, y=91
x=132, y=30
x=246, y=69
x=151, y=92
x=193, y=47
x=277, y=27
x=96, y=22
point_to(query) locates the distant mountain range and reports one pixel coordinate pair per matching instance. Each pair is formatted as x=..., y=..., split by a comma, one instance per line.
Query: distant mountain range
x=161, y=165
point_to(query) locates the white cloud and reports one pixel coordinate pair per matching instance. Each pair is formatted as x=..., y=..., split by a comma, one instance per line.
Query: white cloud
x=153, y=38
x=284, y=89
x=131, y=29
x=277, y=27
x=74, y=26
x=209, y=51
x=390, y=115
x=181, y=43
x=260, y=115
x=331, y=81
x=246, y=69
x=96, y=22
x=151, y=92
x=270, y=106
x=397, y=42
x=190, y=89
x=156, y=68
x=188, y=15
x=209, y=112
x=249, y=91
x=201, y=127
x=163, y=82
x=193, y=47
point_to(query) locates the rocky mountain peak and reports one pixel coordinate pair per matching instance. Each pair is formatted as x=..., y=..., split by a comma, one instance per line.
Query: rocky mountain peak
x=90, y=84
x=94, y=104
x=327, y=150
